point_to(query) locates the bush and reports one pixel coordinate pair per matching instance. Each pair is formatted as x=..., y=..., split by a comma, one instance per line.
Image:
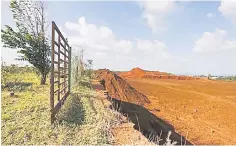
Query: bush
x=12, y=77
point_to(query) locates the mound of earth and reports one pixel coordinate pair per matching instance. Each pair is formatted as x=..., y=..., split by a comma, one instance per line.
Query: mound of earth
x=119, y=88
x=157, y=73
x=175, y=77
x=140, y=73
x=134, y=73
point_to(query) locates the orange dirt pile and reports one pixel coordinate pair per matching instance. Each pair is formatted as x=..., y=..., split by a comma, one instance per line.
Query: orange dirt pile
x=134, y=73
x=119, y=88
x=170, y=77
x=140, y=73
x=203, y=111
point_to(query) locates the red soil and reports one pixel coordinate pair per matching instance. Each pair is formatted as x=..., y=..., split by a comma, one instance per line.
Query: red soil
x=204, y=111
x=119, y=88
x=140, y=73
x=128, y=101
x=134, y=73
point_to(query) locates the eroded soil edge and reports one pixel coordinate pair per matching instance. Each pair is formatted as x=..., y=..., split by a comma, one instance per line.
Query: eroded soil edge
x=128, y=101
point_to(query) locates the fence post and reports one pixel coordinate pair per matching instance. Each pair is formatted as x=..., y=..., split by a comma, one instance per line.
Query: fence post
x=52, y=76
x=70, y=69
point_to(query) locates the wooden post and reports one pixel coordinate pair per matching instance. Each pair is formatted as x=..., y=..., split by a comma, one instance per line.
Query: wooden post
x=64, y=70
x=59, y=71
x=52, y=75
x=69, y=60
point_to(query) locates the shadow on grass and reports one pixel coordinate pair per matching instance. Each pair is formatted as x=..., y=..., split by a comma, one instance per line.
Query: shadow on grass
x=149, y=124
x=72, y=111
x=17, y=86
x=85, y=84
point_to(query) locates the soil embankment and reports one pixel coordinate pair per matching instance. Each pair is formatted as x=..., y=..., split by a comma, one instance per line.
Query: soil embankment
x=123, y=132
x=119, y=88
x=128, y=101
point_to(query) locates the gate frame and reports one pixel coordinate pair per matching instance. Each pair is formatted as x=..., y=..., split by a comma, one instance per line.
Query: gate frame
x=66, y=70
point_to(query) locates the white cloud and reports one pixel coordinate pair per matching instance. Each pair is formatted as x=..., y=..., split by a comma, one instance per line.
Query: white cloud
x=151, y=46
x=214, y=42
x=210, y=15
x=228, y=9
x=102, y=45
x=101, y=54
x=97, y=37
x=154, y=13
x=155, y=49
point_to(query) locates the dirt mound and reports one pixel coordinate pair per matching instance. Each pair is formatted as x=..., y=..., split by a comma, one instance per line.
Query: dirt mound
x=157, y=73
x=140, y=73
x=134, y=73
x=170, y=77
x=119, y=88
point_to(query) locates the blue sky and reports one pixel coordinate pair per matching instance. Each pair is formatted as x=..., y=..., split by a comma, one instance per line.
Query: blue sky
x=181, y=37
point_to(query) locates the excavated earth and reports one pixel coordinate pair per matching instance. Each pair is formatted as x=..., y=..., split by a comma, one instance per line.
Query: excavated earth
x=140, y=73
x=120, y=89
x=202, y=110
x=132, y=104
x=123, y=132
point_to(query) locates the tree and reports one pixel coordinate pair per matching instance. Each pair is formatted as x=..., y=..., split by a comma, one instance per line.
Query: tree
x=81, y=61
x=89, y=66
x=81, y=70
x=29, y=37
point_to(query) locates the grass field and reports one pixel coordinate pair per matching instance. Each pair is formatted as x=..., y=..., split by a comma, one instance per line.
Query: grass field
x=26, y=117
x=202, y=111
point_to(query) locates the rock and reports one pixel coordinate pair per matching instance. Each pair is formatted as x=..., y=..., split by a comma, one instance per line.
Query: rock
x=12, y=94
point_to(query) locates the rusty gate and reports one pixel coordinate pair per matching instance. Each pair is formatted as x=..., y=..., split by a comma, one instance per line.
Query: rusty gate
x=60, y=79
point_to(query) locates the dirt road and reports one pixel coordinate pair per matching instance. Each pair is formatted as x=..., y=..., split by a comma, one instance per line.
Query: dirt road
x=202, y=111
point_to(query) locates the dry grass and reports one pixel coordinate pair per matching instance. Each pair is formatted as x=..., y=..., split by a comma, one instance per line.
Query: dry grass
x=26, y=118
x=82, y=120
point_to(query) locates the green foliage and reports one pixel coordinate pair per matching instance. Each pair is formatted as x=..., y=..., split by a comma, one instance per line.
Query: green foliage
x=88, y=68
x=75, y=73
x=29, y=37
x=227, y=78
x=81, y=71
x=12, y=77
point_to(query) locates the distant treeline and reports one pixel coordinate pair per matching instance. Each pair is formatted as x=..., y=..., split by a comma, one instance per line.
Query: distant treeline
x=227, y=78
x=17, y=69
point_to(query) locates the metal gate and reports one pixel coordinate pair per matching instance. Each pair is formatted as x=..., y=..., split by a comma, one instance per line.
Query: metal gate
x=60, y=80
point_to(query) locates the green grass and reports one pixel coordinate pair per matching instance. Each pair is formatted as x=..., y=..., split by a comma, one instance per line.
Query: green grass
x=26, y=117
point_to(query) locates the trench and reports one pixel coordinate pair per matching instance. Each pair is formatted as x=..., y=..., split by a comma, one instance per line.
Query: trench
x=152, y=127
x=129, y=102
